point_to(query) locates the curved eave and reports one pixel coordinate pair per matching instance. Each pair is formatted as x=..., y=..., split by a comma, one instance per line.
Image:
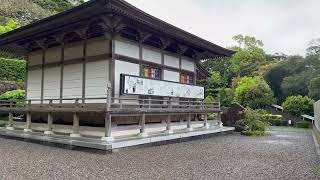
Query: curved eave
x=98, y=7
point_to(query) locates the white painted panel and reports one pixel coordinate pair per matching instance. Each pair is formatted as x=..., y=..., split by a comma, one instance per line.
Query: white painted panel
x=53, y=55
x=126, y=49
x=143, y=86
x=151, y=55
x=34, y=84
x=97, y=47
x=35, y=58
x=171, y=76
x=73, y=52
x=97, y=77
x=171, y=61
x=51, y=86
x=122, y=67
x=187, y=65
x=72, y=81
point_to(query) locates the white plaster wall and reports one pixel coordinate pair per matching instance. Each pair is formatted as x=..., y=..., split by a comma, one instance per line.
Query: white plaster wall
x=97, y=47
x=34, y=84
x=51, y=83
x=171, y=61
x=72, y=81
x=73, y=51
x=126, y=49
x=122, y=67
x=187, y=65
x=97, y=76
x=35, y=58
x=171, y=76
x=151, y=55
x=53, y=55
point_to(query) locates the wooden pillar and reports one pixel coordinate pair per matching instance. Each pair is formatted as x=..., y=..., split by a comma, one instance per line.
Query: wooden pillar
x=76, y=122
x=28, y=119
x=108, y=117
x=10, y=122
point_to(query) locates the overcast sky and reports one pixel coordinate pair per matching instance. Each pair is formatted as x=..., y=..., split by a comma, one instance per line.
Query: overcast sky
x=283, y=25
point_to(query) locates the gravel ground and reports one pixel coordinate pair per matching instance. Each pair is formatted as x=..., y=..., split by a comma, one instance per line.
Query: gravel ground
x=282, y=154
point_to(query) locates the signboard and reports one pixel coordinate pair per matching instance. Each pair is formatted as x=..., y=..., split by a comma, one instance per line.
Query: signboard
x=143, y=86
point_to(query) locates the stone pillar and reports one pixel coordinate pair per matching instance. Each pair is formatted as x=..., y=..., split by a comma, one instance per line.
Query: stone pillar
x=75, y=128
x=108, y=117
x=219, y=120
x=143, y=132
x=50, y=121
x=10, y=122
x=168, y=128
x=189, y=127
x=28, y=121
x=206, y=124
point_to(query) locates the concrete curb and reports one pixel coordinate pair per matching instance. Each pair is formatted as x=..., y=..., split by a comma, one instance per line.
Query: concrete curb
x=316, y=143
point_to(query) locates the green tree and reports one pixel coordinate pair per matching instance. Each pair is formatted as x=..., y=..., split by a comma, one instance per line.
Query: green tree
x=253, y=92
x=57, y=5
x=296, y=84
x=314, y=88
x=249, y=55
x=9, y=26
x=298, y=105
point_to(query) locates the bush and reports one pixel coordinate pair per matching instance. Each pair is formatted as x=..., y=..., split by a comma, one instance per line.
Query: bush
x=274, y=120
x=9, y=86
x=298, y=105
x=12, y=70
x=303, y=124
x=253, y=92
x=255, y=133
x=253, y=123
x=13, y=95
x=3, y=124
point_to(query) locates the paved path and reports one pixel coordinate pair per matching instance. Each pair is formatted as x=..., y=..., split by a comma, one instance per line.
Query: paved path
x=288, y=154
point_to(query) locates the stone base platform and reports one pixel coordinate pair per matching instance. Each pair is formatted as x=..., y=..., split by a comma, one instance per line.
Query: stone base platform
x=94, y=143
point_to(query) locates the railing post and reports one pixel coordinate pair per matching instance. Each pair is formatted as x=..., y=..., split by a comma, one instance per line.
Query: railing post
x=219, y=120
x=149, y=102
x=76, y=121
x=28, y=118
x=10, y=122
x=168, y=120
x=189, y=127
x=143, y=132
x=108, y=117
x=50, y=120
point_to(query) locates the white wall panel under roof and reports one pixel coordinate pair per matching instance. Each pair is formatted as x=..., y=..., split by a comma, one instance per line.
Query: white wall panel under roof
x=73, y=51
x=35, y=58
x=53, y=55
x=97, y=47
x=171, y=76
x=122, y=67
x=127, y=49
x=187, y=65
x=151, y=55
x=34, y=84
x=171, y=61
x=51, y=83
x=72, y=81
x=97, y=77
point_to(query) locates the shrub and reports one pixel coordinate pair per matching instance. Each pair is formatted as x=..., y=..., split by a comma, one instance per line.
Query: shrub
x=3, y=124
x=303, y=124
x=12, y=70
x=13, y=95
x=253, y=92
x=252, y=123
x=275, y=120
x=10, y=85
x=254, y=133
x=298, y=105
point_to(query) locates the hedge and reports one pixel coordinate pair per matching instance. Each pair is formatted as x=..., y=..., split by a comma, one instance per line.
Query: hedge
x=12, y=70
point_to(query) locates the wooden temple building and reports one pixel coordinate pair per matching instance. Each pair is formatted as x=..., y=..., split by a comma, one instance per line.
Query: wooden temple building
x=106, y=63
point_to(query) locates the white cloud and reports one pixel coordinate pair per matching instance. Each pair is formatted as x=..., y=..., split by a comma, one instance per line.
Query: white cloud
x=284, y=26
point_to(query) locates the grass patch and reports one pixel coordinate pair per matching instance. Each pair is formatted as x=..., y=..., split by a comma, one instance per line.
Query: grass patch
x=303, y=124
